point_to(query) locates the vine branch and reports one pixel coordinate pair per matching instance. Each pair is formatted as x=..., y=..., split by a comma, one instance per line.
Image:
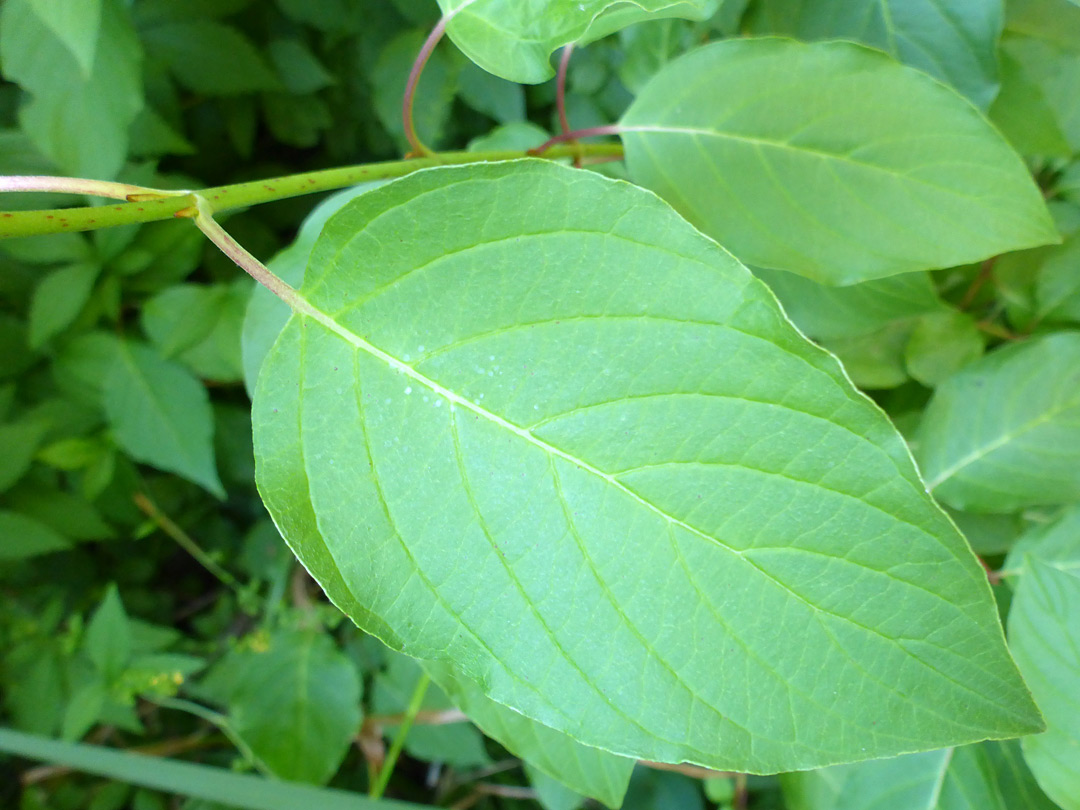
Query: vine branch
x=416, y=145
x=165, y=205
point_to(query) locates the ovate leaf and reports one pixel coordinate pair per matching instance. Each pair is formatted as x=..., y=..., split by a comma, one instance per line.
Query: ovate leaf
x=1044, y=634
x=108, y=636
x=59, y=299
x=941, y=344
x=564, y=442
x=830, y=160
x=294, y=698
x=589, y=771
x=953, y=40
x=211, y=57
x=161, y=415
x=514, y=40
x=991, y=776
x=1004, y=433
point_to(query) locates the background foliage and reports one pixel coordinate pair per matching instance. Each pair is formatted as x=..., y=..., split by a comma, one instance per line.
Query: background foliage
x=149, y=603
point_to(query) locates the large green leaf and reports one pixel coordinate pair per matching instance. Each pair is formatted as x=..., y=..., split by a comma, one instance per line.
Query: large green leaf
x=1044, y=633
x=514, y=40
x=589, y=771
x=1004, y=433
x=952, y=40
x=991, y=776
x=830, y=160
x=561, y=440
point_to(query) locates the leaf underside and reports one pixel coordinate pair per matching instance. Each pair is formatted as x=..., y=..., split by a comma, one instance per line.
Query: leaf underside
x=528, y=421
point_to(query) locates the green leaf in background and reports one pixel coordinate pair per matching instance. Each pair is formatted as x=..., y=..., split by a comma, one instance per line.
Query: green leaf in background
x=1057, y=285
x=990, y=776
x=108, y=636
x=875, y=361
x=160, y=415
x=22, y=537
x=210, y=57
x=1044, y=635
x=515, y=40
x=200, y=326
x=457, y=744
x=1004, y=433
x=1055, y=71
x=589, y=771
x=80, y=123
x=829, y=160
x=551, y=793
x=20, y=440
x=952, y=40
x=1056, y=543
x=294, y=698
x=661, y=790
x=1024, y=114
x=59, y=299
x=510, y=472
x=941, y=344
x=77, y=26
x=824, y=312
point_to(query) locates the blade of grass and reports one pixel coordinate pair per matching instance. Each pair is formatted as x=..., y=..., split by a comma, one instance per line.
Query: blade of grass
x=187, y=778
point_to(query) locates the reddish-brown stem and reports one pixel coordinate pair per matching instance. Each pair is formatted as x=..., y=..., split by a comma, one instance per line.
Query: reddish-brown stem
x=560, y=94
x=588, y=132
x=985, y=274
x=417, y=147
x=991, y=574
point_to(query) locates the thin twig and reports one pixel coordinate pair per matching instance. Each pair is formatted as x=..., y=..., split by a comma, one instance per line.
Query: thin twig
x=985, y=274
x=85, y=186
x=693, y=771
x=184, y=540
x=588, y=132
x=441, y=717
x=560, y=95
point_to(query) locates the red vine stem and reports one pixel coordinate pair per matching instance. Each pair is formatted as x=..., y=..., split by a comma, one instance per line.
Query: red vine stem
x=560, y=94
x=418, y=149
x=589, y=132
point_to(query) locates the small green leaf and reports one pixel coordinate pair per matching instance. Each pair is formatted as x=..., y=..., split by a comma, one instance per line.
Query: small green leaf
x=300, y=70
x=22, y=537
x=1024, y=115
x=435, y=93
x=830, y=160
x=941, y=344
x=551, y=793
x=1056, y=543
x=515, y=42
x=1044, y=635
x=293, y=698
x=1055, y=70
x=662, y=790
x=161, y=415
x=990, y=776
x=1057, y=284
x=458, y=428
x=874, y=361
x=589, y=771
x=108, y=636
x=76, y=24
x=59, y=299
x=953, y=40
x=20, y=440
x=497, y=98
x=1004, y=433
x=83, y=710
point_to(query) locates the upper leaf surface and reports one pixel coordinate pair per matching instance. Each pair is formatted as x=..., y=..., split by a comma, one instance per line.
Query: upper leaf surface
x=1004, y=433
x=529, y=421
x=952, y=40
x=830, y=160
x=514, y=39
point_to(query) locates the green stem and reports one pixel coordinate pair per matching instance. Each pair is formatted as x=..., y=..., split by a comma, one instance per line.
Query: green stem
x=183, y=539
x=392, y=755
x=242, y=195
